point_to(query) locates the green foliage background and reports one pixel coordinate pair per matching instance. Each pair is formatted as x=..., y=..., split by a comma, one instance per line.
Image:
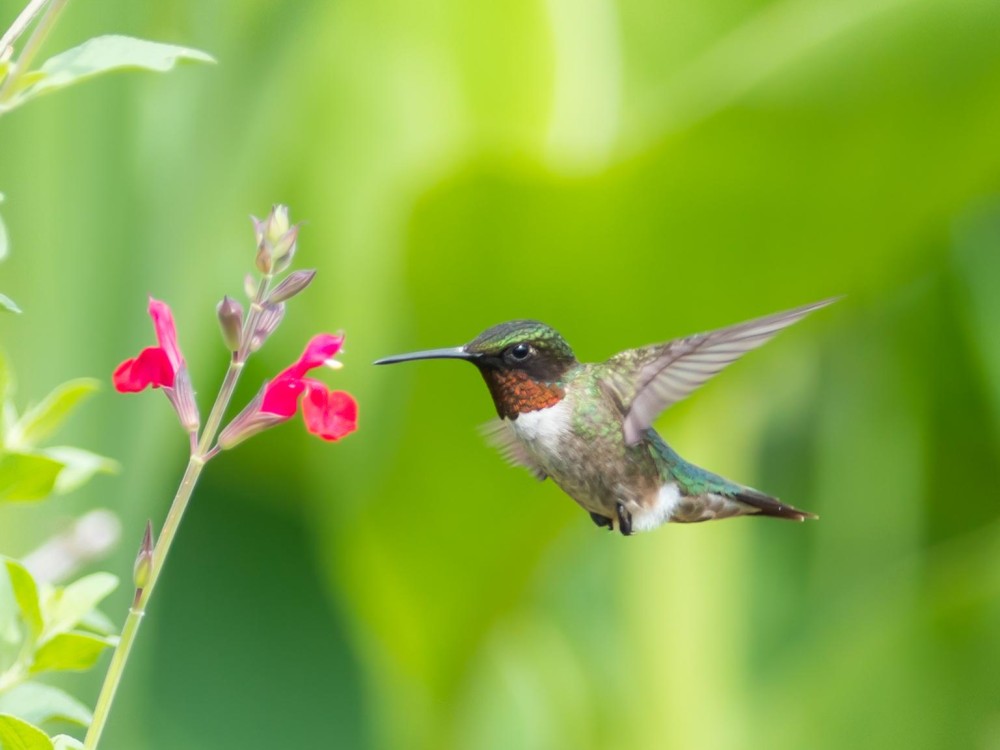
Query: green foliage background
x=628, y=172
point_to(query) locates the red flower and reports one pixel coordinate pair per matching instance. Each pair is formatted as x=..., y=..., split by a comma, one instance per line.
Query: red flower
x=328, y=414
x=161, y=367
x=156, y=366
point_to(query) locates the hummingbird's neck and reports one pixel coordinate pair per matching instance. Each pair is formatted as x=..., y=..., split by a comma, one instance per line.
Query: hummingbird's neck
x=516, y=392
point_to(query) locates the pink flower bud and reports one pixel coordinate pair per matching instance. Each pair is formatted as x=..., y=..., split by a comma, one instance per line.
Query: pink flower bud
x=268, y=321
x=143, y=567
x=230, y=314
x=294, y=283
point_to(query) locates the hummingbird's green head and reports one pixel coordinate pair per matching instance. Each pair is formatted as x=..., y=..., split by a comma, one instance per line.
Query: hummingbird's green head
x=522, y=361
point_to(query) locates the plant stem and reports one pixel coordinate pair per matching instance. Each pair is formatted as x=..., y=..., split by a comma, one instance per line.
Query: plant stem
x=20, y=24
x=196, y=463
x=31, y=47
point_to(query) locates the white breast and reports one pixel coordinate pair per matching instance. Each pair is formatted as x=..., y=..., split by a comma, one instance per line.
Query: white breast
x=544, y=428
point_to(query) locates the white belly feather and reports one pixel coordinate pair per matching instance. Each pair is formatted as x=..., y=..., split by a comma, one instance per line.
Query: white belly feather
x=647, y=519
x=544, y=428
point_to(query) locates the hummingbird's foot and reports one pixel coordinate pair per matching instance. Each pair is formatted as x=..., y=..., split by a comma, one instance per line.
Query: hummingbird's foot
x=602, y=521
x=624, y=520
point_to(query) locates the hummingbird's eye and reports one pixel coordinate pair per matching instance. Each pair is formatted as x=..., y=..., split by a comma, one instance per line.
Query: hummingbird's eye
x=520, y=351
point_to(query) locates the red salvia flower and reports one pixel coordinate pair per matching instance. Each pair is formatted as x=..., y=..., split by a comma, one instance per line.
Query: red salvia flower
x=161, y=366
x=328, y=414
x=155, y=366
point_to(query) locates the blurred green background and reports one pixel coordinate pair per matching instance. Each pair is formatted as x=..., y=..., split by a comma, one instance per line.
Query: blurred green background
x=628, y=172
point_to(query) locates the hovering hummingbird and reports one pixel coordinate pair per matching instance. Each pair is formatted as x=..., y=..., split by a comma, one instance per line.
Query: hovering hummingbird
x=588, y=425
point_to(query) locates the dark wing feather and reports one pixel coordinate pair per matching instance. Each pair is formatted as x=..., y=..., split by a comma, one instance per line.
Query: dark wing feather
x=646, y=381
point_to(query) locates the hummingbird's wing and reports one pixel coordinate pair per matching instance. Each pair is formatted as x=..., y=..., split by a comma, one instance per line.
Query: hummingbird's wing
x=646, y=381
x=500, y=434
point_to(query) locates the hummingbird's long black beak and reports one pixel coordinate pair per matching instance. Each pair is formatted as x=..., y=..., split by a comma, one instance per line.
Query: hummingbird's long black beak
x=455, y=352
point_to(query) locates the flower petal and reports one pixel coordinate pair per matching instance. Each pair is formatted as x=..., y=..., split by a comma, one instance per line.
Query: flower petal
x=166, y=331
x=150, y=368
x=320, y=348
x=281, y=395
x=329, y=414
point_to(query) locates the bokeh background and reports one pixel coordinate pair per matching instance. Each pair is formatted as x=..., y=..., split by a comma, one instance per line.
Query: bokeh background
x=628, y=172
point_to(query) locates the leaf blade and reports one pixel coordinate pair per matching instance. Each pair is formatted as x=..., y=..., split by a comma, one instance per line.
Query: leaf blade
x=103, y=54
x=6, y=303
x=42, y=420
x=37, y=703
x=67, y=607
x=79, y=466
x=16, y=734
x=70, y=652
x=26, y=477
x=26, y=595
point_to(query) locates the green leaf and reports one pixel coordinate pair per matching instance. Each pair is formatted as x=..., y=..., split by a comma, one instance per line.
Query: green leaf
x=44, y=419
x=38, y=703
x=6, y=303
x=65, y=742
x=27, y=476
x=66, y=607
x=79, y=466
x=20, y=735
x=105, y=53
x=12, y=630
x=97, y=622
x=26, y=595
x=9, y=416
x=73, y=651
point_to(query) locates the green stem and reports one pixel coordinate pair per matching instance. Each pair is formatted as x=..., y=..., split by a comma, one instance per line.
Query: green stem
x=173, y=521
x=31, y=48
x=22, y=21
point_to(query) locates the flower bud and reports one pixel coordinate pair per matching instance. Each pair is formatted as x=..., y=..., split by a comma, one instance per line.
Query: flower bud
x=230, y=314
x=276, y=224
x=264, y=261
x=294, y=283
x=143, y=567
x=284, y=249
x=275, y=240
x=270, y=317
x=250, y=286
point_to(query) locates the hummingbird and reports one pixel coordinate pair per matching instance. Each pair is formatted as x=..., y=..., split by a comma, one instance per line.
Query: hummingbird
x=588, y=426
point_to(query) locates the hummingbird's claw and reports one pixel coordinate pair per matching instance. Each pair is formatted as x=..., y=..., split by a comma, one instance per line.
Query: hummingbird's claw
x=624, y=520
x=602, y=521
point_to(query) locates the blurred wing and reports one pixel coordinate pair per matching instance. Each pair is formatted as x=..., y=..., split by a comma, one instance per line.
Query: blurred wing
x=666, y=373
x=500, y=434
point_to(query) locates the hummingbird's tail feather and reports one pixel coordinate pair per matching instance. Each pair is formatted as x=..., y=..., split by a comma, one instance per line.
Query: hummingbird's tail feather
x=769, y=506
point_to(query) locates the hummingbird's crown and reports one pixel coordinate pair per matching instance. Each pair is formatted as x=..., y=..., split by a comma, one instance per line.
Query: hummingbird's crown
x=545, y=339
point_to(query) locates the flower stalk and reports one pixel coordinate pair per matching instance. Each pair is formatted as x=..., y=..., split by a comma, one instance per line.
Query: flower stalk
x=332, y=416
x=199, y=457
